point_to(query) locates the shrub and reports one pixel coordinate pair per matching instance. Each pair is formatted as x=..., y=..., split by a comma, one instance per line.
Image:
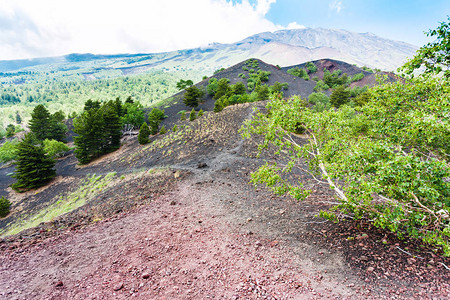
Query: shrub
x=183, y=116
x=200, y=113
x=311, y=67
x=54, y=148
x=340, y=96
x=163, y=130
x=8, y=151
x=5, y=204
x=175, y=128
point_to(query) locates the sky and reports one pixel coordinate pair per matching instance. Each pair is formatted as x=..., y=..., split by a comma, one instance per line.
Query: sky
x=44, y=28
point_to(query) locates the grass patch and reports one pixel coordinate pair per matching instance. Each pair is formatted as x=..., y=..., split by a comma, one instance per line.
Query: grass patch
x=91, y=186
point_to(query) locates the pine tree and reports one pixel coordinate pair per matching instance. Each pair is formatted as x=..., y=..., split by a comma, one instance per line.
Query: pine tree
x=5, y=204
x=144, y=132
x=112, y=127
x=192, y=115
x=192, y=96
x=33, y=167
x=175, y=128
x=163, y=130
x=90, y=129
x=40, y=122
x=339, y=96
x=200, y=113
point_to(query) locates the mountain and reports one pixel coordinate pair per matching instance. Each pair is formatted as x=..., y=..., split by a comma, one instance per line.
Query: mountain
x=284, y=47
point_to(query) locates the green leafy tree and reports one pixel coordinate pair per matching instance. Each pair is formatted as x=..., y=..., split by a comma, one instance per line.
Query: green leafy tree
x=55, y=149
x=8, y=151
x=434, y=56
x=192, y=115
x=144, y=133
x=212, y=86
x=134, y=116
x=339, y=96
x=192, y=96
x=5, y=205
x=311, y=67
x=34, y=168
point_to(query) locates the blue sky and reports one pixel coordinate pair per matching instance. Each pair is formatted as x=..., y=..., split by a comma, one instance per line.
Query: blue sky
x=42, y=28
x=395, y=19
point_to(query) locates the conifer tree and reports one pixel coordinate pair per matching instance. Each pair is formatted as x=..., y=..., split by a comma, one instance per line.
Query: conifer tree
x=112, y=127
x=40, y=122
x=200, y=113
x=90, y=129
x=144, y=132
x=163, y=130
x=33, y=167
x=192, y=115
x=339, y=96
x=192, y=96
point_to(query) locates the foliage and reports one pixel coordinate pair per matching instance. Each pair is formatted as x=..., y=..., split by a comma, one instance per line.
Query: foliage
x=311, y=67
x=99, y=129
x=134, y=114
x=154, y=118
x=192, y=115
x=387, y=162
x=357, y=77
x=8, y=151
x=182, y=84
x=298, y=72
x=47, y=126
x=339, y=96
x=262, y=92
x=55, y=149
x=5, y=204
x=218, y=71
x=212, y=86
x=238, y=88
x=175, y=128
x=10, y=130
x=200, y=113
x=335, y=79
x=320, y=101
x=321, y=86
x=434, y=57
x=163, y=130
x=192, y=96
x=34, y=168
x=144, y=133
x=183, y=116
x=223, y=88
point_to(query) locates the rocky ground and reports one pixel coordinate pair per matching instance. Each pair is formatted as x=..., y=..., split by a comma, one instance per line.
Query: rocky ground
x=194, y=228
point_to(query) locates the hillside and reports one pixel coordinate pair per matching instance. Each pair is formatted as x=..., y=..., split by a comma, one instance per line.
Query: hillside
x=178, y=219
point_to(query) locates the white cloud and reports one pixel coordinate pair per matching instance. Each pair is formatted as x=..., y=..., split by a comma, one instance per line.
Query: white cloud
x=30, y=28
x=336, y=5
x=294, y=25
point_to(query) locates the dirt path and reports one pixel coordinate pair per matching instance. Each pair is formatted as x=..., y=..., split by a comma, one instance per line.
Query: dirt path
x=190, y=243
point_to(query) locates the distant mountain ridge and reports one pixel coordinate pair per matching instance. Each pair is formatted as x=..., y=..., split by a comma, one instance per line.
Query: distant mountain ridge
x=284, y=47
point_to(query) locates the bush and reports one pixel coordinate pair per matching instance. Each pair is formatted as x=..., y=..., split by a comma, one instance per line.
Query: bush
x=5, y=204
x=54, y=148
x=175, y=128
x=8, y=151
x=163, y=130
x=183, y=116
x=200, y=113
x=339, y=96
x=311, y=67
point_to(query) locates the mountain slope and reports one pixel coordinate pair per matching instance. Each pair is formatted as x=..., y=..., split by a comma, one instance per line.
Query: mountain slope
x=284, y=47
